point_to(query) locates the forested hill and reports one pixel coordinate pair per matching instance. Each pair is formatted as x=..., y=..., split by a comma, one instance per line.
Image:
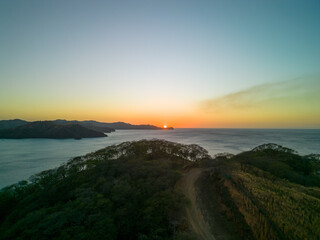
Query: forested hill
x=46, y=129
x=120, y=192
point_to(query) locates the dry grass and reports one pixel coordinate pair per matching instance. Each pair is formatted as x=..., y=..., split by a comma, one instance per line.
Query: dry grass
x=275, y=208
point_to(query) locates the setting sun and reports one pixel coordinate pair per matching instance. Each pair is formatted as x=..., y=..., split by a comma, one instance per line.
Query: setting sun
x=164, y=126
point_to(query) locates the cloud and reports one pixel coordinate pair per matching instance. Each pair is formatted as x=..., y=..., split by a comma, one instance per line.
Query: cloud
x=297, y=99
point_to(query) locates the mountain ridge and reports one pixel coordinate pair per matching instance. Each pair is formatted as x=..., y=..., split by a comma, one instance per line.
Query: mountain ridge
x=91, y=124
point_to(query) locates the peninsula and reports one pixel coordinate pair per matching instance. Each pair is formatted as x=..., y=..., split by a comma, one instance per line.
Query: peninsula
x=60, y=128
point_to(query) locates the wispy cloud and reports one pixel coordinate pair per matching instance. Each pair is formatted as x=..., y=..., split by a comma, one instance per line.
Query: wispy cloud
x=297, y=99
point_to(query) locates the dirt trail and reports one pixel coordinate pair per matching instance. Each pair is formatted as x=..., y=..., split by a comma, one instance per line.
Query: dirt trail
x=194, y=214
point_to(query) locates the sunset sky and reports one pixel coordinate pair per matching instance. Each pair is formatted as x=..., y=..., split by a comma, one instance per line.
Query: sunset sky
x=180, y=63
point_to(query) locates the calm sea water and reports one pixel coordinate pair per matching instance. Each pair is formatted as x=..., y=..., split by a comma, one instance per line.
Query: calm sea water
x=19, y=159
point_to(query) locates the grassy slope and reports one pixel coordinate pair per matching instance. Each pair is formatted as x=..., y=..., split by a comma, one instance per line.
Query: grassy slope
x=266, y=195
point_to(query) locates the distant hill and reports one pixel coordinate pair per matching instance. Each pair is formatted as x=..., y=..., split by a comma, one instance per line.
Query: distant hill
x=47, y=129
x=93, y=125
x=109, y=126
x=123, y=125
x=6, y=124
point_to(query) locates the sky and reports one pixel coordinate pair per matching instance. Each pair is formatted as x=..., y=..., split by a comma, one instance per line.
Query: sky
x=177, y=63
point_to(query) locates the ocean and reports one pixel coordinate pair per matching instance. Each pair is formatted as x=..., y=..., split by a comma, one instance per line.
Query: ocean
x=19, y=159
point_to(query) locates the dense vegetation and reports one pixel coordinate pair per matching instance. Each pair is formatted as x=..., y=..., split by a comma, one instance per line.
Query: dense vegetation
x=265, y=194
x=94, y=197
x=47, y=129
x=284, y=164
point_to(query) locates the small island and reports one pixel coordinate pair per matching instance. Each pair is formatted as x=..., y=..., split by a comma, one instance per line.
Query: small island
x=165, y=127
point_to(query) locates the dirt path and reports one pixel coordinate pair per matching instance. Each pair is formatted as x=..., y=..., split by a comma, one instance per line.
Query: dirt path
x=195, y=217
